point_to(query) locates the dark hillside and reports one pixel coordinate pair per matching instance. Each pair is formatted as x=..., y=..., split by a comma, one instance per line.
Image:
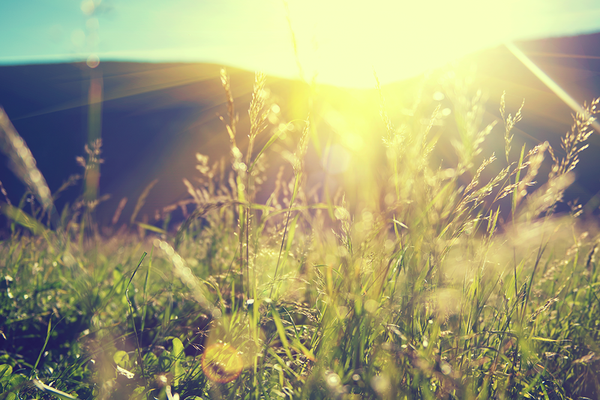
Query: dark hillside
x=157, y=116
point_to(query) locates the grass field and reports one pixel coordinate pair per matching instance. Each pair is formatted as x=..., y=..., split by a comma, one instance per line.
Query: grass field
x=436, y=280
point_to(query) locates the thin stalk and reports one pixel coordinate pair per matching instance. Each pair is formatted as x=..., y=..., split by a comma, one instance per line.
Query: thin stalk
x=43, y=348
x=285, y=228
x=137, y=339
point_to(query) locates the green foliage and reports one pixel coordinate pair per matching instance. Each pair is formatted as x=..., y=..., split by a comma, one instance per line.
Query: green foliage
x=435, y=287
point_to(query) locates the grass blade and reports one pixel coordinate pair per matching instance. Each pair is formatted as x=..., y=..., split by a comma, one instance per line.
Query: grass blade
x=141, y=200
x=37, y=362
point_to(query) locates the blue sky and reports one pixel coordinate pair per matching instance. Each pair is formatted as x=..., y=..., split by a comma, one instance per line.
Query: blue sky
x=339, y=41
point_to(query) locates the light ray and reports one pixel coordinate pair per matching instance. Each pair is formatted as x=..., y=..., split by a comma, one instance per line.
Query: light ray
x=141, y=82
x=549, y=82
x=563, y=55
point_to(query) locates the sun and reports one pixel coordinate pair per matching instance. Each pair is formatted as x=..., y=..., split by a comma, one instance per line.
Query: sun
x=343, y=42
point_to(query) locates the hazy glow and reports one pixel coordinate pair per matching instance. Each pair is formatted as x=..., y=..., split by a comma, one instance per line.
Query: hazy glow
x=343, y=42
x=340, y=41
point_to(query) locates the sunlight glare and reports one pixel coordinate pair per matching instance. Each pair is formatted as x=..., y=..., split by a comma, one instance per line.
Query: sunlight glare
x=343, y=43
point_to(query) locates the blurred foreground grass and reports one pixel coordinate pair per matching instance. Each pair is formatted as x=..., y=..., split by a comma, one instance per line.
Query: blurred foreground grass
x=434, y=279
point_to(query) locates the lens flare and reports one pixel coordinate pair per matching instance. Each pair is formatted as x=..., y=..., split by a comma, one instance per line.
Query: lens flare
x=549, y=82
x=221, y=363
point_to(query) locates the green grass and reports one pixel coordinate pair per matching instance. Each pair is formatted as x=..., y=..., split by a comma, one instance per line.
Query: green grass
x=434, y=281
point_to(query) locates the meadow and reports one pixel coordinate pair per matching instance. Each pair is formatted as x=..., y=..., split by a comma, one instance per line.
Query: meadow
x=418, y=278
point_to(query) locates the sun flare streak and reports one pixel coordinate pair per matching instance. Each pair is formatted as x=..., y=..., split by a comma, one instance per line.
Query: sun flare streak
x=549, y=82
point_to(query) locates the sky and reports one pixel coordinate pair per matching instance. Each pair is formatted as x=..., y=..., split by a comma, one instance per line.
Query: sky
x=339, y=42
